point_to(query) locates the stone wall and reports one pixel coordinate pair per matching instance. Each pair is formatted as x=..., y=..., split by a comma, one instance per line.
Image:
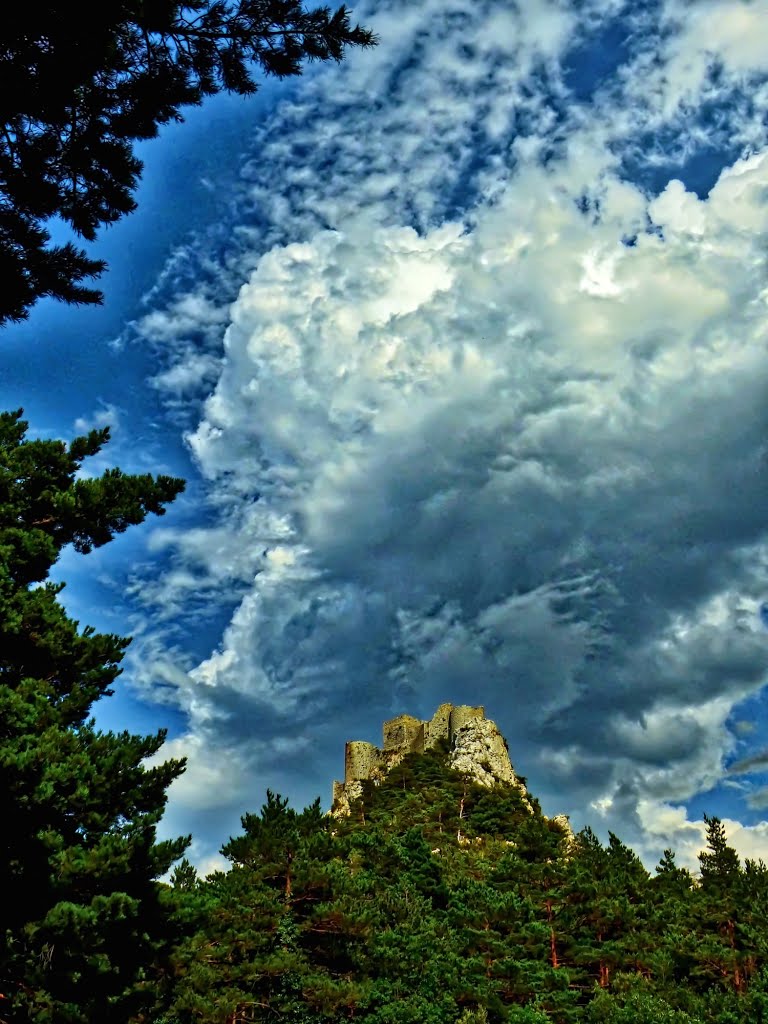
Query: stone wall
x=361, y=759
x=438, y=727
x=404, y=733
x=461, y=716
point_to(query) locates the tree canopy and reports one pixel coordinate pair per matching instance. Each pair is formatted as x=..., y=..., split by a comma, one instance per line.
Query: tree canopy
x=79, y=85
x=82, y=916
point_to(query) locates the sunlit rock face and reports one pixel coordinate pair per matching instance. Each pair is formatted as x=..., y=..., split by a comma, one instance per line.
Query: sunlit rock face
x=565, y=824
x=480, y=752
x=344, y=796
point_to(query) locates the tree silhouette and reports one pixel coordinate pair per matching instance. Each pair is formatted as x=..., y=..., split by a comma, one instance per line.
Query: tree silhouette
x=79, y=85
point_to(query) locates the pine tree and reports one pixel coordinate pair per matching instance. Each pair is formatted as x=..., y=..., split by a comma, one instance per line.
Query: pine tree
x=753, y=924
x=79, y=85
x=78, y=855
x=719, y=950
x=667, y=916
x=261, y=945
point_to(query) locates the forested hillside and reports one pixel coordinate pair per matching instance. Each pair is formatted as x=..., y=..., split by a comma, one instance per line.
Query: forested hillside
x=438, y=900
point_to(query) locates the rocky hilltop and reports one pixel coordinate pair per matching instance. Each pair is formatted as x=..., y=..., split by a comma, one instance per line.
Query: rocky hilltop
x=476, y=749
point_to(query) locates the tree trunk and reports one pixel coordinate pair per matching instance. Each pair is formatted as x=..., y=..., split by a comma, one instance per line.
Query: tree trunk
x=552, y=943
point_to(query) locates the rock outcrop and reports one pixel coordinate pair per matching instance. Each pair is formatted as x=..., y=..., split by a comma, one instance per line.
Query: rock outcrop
x=565, y=824
x=480, y=752
x=344, y=795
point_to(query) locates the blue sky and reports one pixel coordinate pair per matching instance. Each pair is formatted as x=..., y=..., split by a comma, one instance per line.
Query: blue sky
x=461, y=347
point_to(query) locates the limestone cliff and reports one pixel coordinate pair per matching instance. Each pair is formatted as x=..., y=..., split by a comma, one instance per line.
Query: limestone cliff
x=344, y=795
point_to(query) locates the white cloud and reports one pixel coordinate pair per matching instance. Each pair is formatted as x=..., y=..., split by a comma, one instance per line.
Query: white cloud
x=105, y=416
x=669, y=824
x=534, y=455
x=187, y=313
x=709, y=32
x=188, y=374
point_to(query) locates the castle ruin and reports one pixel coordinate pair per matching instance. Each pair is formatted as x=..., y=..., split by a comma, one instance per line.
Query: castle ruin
x=402, y=735
x=477, y=750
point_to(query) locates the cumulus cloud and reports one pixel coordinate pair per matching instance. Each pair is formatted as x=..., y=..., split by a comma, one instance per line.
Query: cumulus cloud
x=488, y=425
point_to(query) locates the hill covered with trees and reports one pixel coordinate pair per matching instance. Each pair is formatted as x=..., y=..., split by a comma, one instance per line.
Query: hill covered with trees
x=438, y=900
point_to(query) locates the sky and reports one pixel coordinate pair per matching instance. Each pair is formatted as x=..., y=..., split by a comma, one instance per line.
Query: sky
x=462, y=347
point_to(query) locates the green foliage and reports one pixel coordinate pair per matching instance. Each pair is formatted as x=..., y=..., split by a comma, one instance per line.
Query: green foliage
x=636, y=1004
x=79, y=85
x=79, y=807
x=444, y=902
